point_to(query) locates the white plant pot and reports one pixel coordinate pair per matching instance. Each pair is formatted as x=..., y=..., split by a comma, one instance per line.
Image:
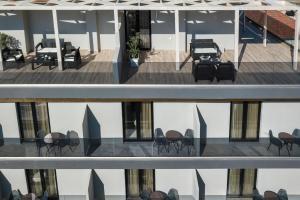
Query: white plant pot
x=134, y=62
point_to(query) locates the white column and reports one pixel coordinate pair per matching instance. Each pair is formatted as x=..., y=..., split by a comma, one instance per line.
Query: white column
x=56, y=34
x=265, y=28
x=91, y=30
x=236, y=38
x=177, y=50
x=117, y=29
x=296, y=41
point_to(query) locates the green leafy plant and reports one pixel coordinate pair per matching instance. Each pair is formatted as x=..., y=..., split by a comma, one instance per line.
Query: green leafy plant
x=133, y=46
x=8, y=41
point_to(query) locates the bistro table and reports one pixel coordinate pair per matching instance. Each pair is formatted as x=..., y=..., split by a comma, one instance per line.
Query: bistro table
x=158, y=195
x=174, y=137
x=55, y=139
x=287, y=139
x=270, y=195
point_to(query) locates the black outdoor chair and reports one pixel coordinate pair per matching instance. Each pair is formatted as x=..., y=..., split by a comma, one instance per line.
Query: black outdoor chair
x=145, y=195
x=282, y=194
x=256, y=195
x=225, y=71
x=203, y=71
x=72, y=140
x=71, y=56
x=160, y=140
x=188, y=140
x=40, y=143
x=10, y=56
x=173, y=194
x=274, y=141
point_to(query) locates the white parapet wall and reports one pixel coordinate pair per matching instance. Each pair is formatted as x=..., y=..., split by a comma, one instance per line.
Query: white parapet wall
x=279, y=117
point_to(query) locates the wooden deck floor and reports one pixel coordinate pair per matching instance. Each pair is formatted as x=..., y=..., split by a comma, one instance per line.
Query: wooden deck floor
x=95, y=68
x=258, y=64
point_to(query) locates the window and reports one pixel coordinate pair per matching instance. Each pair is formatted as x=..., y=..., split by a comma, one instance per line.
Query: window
x=137, y=121
x=138, y=180
x=32, y=118
x=43, y=180
x=245, y=118
x=241, y=182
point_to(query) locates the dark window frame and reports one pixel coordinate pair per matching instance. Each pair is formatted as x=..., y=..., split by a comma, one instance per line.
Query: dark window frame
x=244, y=124
x=138, y=139
x=34, y=116
x=140, y=172
x=241, y=184
x=137, y=28
x=42, y=182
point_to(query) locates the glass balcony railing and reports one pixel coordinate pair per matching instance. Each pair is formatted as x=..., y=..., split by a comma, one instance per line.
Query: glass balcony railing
x=116, y=147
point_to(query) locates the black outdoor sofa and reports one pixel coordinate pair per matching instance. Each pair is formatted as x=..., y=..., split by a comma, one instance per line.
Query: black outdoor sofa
x=11, y=56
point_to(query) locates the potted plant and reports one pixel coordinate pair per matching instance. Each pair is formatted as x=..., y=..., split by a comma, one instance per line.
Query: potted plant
x=4, y=40
x=133, y=50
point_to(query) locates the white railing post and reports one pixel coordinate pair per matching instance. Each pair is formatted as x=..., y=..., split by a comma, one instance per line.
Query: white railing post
x=177, y=56
x=57, y=42
x=117, y=29
x=296, y=41
x=265, y=29
x=236, y=38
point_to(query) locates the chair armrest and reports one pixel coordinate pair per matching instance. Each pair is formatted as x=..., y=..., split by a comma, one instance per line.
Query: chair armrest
x=38, y=45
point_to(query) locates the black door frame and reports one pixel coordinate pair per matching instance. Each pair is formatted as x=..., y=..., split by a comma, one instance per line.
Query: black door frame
x=138, y=129
x=140, y=171
x=34, y=118
x=43, y=183
x=241, y=184
x=137, y=28
x=244, y=124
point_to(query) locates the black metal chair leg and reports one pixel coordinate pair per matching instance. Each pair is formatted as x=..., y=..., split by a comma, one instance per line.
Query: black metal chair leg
x=269, y=146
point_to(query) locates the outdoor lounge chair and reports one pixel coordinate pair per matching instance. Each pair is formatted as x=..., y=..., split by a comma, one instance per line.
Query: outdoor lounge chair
x=160, y=140
x=203, y=43
x=145, y=195
x=188, y=140
x=296, y=134
x=256, y=195
x=71, y=56
x=12, y=56
x=274, y=141
x=225, y=71
x=203, y=71
x=40, y=141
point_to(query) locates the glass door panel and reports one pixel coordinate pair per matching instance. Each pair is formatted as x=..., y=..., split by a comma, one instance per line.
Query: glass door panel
x=130, y=120
x=146, y=121
x=26, y=121
x=252, y=121
x=132, y=183
x=248, y=182
x=42, y=117
x=50, y=182
x=144, y=29
x=237, y=120
x=35, y=182
x=234, y=182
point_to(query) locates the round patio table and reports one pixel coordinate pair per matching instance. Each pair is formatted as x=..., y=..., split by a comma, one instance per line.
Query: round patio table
x=287, y=139
x=55, y=139
x=158, y=195
x=270, y=195
x=174, y=137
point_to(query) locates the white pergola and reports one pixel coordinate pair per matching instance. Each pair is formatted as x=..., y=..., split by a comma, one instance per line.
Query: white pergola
x=174, y=5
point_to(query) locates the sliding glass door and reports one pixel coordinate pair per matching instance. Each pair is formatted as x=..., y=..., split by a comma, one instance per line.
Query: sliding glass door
x=245, y=120
x=137, y=121
x=137, y=181
x=41, y=181
x=241, y=182
x=33, y=117
x=139, y=23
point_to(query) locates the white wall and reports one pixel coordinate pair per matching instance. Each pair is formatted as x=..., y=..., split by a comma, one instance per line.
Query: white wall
x=72, y=26
x=216, y=116
x=217, y=25
x=163, y=30
x=113, y=180
x=12, y=23
x=69, y=116
x=9, y=120
x=173, y=116
x=180, y=179
x=275, y=179
x=106, y=29
x=279, y=117
x=17, y=179
x=73, y=183
x=215, y=181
